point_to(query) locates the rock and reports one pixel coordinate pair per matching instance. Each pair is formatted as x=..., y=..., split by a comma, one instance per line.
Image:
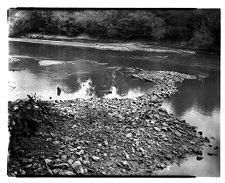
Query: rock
x=212, y=154
x=80, y=152
x=199, y=158
x=48, y=139
x=72, y=149
x=70, y=161
x=168, y=157
x=178, y=134
x=200, y=133
x=106, y=143
x=157, y=129
x=28, y=166
x=23, y=172
x=68, y=172
x=125, y=165
x=56, y=142
x=76, y=164
x=95, y=158
x=55, y=171
x=62, y=165
x=129, y=135
x=67, y=138
x=47, y=161
x=196, y=151
x=152, y=122
x=64, y=157
x=207, y=139
x=164, y=128
x=126, y=155
x=86, y=162
x=141, y=149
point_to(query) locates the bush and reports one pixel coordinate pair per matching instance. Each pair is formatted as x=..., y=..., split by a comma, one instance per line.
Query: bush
x=25, y=117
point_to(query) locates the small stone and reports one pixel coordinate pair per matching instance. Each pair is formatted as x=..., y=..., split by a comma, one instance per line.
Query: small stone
x=164, y=128
x=86, y=162
x=80, y=170
x=99, y=145
x=48, y=139
x=62, y=165
x=207, y=140
x=56, y=142
x=200, y=133
x=129, y=135
x=157, y=129
x=212, y=154
x=80, y=152
x=79, y=147
x=127, y=155
x=70, y=161
x=47, y=160
x=23, y=172
x=141, y=149
x=106, y=143
x=56, y=171
x=152, y=122
x=67, y=138
x=28, y=166
x=196, y=151
x=76, y=164
x=105, y=154
x=168, y=157
x=199, y=158
x=125, y=164
x=72, y=149
x=64, y=157
x=68, y=172
x=95, y=158
x=177, y=133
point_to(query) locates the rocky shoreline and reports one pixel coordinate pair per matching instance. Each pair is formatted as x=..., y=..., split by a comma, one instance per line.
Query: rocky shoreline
x=108, y=137
x=96, y=44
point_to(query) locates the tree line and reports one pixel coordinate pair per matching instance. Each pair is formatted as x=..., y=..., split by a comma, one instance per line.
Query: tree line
x=197, y=28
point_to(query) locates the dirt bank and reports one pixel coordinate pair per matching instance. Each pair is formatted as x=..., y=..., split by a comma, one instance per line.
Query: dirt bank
x=105, y=137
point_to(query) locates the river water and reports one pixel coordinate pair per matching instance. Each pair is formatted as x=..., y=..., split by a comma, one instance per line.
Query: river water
x=83, y=72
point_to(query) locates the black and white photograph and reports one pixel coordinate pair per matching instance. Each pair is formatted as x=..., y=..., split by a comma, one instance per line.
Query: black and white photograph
x=113, y=92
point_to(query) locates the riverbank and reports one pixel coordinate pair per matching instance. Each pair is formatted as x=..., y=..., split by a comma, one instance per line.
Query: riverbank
x=105, y=137
x=100, y=44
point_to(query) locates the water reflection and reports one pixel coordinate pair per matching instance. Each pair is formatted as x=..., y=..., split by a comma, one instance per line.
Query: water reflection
x=79, y=85
x=204, y=95
x=198, y=102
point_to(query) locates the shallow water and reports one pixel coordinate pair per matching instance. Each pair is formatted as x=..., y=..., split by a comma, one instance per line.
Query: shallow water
x=88, y=72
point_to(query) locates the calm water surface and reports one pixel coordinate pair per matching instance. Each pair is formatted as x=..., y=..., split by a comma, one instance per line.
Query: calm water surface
x=87, y=72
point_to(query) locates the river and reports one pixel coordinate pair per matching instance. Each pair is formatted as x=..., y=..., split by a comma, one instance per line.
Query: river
x=83, y=72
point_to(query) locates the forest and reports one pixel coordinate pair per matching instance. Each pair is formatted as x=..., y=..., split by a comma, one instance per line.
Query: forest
x=190, y=28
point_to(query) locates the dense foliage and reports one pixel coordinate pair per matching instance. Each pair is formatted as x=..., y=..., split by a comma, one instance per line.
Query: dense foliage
x=198, y=28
